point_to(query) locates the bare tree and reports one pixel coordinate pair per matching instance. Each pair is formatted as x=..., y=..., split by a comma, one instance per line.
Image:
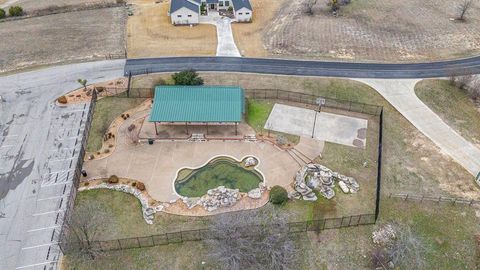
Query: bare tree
x=309, y=4
x=398, y=246
x=464, y=82
x=82, y=229
x=474, y=89
x=252, y=240
x=462, y=8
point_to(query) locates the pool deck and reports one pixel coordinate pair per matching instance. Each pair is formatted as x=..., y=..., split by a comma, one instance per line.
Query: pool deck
x=157, y=165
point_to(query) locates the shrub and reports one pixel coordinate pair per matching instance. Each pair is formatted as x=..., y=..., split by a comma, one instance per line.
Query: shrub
x=106, y=151
x=140, y=186
x=134, y=184
x=278, y=195
x=161, y=81
x=15, y=11
x=62, y=100
x=2, y=13
x=187, y=77
x=113, y=179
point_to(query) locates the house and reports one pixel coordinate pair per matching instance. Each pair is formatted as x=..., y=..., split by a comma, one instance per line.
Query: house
x=189, y=11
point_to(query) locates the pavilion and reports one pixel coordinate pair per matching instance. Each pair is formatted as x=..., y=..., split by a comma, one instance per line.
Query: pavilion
x=197, y=105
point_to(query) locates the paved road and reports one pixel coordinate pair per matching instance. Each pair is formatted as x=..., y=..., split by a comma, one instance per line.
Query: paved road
x=304, y=68
x=38, y=145
x=401, y=94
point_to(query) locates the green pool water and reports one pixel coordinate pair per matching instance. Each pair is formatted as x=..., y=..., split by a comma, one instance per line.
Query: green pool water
x=221, y=171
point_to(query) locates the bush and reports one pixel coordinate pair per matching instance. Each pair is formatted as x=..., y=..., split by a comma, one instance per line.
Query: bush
x=2, y=13
x=113, y=179
x=140, y=186
x=15, y=11
x=278, y=195
x=187, y=77
x=62, y=100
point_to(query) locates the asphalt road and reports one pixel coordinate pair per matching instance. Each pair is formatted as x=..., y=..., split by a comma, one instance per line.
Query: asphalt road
x=305, y=68
x=38, y=145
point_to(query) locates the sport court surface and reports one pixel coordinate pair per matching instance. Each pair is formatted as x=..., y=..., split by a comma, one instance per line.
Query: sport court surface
x=323, y=126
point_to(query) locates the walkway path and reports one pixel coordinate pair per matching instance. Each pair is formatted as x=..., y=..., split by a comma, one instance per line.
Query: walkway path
x=225, y=43
x=401, y=94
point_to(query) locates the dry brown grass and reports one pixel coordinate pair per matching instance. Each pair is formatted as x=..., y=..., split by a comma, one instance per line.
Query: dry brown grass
x=151, y=34
x=381, y=30
x=249, y=36
x=62, y=38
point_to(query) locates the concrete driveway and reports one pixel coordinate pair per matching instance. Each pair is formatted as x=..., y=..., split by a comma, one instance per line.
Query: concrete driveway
x=401, y=94
x=225, y=43
x=38, y=146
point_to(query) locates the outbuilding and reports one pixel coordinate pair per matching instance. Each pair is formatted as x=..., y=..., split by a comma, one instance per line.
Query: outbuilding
x=198, y=105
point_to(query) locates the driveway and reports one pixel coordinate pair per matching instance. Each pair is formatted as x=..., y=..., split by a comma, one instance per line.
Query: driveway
x=401, y=94
x=225, y=43
x=38, y=149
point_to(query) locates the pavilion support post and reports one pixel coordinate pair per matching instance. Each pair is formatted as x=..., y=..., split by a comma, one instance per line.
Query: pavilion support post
x=207, y=128
x=186, y=127
x=156, y=130
x=236, y=131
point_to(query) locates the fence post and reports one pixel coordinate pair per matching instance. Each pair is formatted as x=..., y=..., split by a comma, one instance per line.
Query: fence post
x=406, y=197
x=471, y=202
x=119, y=245
x=138, y=242
x=128, y=83
x=439, y=199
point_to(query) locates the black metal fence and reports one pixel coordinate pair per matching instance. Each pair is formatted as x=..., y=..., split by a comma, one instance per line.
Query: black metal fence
x=379, y=164
x=205, y=234
x=298, y=97
x=271, y=94
x=437, y=199
x=62, y=236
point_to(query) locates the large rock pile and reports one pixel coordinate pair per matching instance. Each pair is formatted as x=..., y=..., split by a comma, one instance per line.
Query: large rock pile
x=318, y=177
x=219, y=197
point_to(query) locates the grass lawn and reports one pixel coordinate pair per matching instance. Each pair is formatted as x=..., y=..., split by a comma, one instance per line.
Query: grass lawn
x=106, y=110
x=446, y=231
x=258, y=112
x=452, y=105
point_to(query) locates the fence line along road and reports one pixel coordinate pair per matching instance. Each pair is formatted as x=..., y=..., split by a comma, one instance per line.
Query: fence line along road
x=438, y=199
x=205, y=234
x=304, y=68
x=270, y=94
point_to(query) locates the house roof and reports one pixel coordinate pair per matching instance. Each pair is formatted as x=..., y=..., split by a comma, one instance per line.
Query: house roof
x=197, y=104
x=212, y=1
x=238, y=4
x=178, y=4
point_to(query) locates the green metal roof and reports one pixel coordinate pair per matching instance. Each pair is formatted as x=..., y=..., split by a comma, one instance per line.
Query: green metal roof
x=197, y=104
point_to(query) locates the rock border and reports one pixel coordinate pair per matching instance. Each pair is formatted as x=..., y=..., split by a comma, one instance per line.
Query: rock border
x=148, y=209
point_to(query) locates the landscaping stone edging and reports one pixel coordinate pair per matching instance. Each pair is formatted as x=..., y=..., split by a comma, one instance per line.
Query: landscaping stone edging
x=147, y=209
